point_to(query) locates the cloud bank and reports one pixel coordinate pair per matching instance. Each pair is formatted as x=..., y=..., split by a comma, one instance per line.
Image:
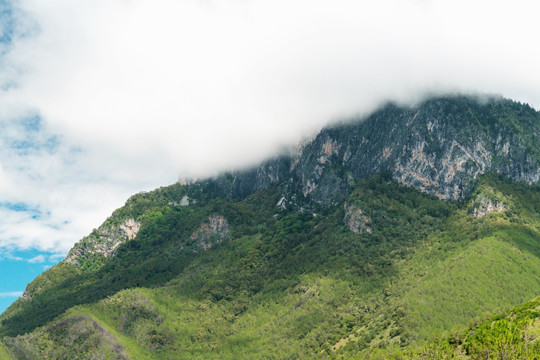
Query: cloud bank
x=11, y=294
x=135, y=93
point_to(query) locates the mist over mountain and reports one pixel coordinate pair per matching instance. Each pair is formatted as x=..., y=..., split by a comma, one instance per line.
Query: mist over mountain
x=366, y=241
x=96, y=106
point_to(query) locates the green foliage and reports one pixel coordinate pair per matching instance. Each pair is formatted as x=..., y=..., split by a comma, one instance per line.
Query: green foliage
x=298, y=283
x=511, y=335
x=76, y=337
x=4, y=355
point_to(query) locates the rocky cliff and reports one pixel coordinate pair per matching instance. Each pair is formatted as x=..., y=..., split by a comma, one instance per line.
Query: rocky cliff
x=320, y=252
x=439, y=146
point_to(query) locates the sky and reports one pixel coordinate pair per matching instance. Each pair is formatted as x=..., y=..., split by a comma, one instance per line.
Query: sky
x=101, y=99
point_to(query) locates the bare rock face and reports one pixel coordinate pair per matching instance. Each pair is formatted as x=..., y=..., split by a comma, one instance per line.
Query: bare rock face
x=212, y=232
x=282, y=203
x=129, y=229
x=438, y=147
x=324, y=156
x=355, y=220
x=184, y=201
x=103, y=241
x=486, y=206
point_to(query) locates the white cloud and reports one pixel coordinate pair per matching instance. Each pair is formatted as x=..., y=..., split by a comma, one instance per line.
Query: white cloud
x=11, y=294
x=37, y=259
x=56, y=257
x=49, y=195
x=141, y=92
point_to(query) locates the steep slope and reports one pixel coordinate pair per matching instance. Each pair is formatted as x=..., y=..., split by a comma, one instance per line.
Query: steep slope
x=341, y=248
x=75, y=337
x=439, y=147
x=513, y=334
x=312, y=284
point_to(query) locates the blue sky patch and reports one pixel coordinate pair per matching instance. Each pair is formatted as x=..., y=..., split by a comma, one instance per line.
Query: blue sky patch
x=34, y=212
x=7, y=22
x=18, y=207
x=27, y=136
x=18, y=268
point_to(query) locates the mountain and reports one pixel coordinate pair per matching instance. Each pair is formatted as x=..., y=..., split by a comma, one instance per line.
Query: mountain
x=373, y=239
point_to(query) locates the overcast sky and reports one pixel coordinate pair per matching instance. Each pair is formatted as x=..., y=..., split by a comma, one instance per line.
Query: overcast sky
x=100, y=99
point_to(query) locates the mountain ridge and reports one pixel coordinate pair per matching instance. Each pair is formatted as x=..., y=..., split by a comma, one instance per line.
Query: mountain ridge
x=347, y=144
x=355, y=224
x=458, y=165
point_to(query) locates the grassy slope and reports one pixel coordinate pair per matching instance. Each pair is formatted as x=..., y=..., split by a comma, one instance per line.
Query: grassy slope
x=495, y=265
x=490, y=273
x=512, y=334
x=305, y=285
x=4, y=355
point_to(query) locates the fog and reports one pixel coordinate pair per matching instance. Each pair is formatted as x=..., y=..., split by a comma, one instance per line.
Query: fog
x=137, y=93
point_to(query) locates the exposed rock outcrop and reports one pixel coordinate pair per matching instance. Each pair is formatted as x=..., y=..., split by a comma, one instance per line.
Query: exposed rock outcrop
x=184, y=201
x=212, y=232
x=103, y=241
x=355, y=219
x=438, y=147
x=486, y=206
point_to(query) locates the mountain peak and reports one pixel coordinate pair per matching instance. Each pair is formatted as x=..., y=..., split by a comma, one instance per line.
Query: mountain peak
x=439, y=147
x=351, y=243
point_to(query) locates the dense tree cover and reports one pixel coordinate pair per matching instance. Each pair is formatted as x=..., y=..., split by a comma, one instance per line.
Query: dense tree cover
x=289, y=278
x=513, y=334
x=296, y=281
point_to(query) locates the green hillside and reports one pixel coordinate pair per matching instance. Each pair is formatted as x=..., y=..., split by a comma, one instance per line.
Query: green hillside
x=513, y=334
x=379, y=239
x=296, y=284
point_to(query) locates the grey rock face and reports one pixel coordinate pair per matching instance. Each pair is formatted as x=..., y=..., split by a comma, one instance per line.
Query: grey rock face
x=486, y=206
x=103, y=241
x=355, y=219
x=212, y=232
x=438, y=147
